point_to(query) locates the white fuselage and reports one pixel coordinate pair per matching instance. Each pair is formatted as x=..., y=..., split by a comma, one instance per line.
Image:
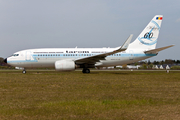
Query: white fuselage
x=67, y=59
x=33, y=58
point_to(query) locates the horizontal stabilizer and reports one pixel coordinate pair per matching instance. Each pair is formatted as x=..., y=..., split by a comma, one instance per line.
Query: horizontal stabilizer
x=154, y=51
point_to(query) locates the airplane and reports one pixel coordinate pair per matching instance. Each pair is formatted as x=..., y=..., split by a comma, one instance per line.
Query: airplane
x=68, y=59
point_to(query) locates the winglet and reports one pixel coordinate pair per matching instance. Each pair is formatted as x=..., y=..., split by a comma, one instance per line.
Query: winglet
x=97, y=58
x=126, y=44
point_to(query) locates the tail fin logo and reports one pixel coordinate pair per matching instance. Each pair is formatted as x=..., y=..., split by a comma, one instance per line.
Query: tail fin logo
x=148, y=38
x=159, y=18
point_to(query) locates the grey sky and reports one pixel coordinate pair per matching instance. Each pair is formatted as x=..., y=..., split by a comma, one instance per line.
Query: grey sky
x=28, y=24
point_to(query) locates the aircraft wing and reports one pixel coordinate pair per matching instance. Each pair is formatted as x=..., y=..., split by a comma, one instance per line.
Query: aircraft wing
x=97, y=58
x=154, y=51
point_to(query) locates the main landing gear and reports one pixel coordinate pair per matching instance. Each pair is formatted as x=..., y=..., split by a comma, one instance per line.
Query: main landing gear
x=85, y=70
x=24, y=71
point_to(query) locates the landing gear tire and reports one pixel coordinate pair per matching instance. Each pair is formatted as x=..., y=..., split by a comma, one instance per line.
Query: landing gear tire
x=85, y=71
x=24, y=71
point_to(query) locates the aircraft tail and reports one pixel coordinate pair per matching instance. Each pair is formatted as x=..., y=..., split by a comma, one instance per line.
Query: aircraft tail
x=147, y=40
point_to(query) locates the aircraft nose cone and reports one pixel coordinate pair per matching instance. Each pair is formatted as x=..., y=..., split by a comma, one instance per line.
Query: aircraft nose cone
x=5, y=60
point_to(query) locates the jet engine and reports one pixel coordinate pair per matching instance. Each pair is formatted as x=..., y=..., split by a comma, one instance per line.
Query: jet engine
x=64, y=65
x=19, y=68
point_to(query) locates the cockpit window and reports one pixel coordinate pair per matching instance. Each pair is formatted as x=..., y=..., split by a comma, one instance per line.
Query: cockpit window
x=15, y=55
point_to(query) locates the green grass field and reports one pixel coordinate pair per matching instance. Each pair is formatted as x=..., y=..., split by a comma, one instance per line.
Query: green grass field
x=137, y=95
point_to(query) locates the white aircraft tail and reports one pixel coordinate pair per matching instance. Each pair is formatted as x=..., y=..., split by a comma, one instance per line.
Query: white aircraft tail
x=147, y=40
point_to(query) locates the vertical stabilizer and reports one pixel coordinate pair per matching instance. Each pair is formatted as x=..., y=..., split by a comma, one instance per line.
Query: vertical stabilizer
x=147, y=40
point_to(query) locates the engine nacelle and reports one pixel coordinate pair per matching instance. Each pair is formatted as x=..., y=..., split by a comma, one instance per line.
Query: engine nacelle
x=64, y=65
x=19, y=68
